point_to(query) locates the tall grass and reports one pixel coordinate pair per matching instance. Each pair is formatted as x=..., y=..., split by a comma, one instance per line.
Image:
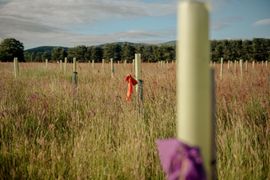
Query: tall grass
x=50, y=130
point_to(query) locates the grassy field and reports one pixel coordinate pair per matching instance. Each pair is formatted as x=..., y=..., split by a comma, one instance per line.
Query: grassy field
x=49, y=130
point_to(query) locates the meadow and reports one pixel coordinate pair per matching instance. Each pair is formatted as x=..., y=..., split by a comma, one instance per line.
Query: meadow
x=51, y=130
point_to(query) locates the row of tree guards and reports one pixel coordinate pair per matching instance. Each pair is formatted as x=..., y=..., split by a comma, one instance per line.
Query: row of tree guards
x=243, y=66
x=231, y=65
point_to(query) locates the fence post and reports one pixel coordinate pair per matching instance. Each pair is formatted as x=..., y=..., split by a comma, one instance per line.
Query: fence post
x=61, y=65
x=241, y=68
x=112, y=68
x=46, y=63
x=102, y=65
x=16, y=67
x=246, y=66
x=93, y=63
x=221, y=68
x=193, y=79
x=74, y=74
x=65, y=66
x=138, y=77
x=213, y=131
x=235, y=67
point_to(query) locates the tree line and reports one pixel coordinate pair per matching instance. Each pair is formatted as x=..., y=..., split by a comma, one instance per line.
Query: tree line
x=256, y=49
x=117, y=51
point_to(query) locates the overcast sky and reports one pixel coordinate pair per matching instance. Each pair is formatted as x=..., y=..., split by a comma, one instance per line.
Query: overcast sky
x=90, y=22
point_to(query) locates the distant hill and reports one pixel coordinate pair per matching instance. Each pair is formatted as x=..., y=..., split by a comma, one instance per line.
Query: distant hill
x=43, y=49
x=50, y=48
x=169, y=43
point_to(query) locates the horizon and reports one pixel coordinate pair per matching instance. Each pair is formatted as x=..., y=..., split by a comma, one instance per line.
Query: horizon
x=136, y=43
x=72, y=23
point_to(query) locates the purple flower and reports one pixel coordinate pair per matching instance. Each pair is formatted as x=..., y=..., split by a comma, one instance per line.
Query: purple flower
x=180, y=161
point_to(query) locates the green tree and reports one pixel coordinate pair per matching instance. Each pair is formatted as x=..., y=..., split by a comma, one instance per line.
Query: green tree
x=259, y=49
x=117, y=52
x=46, y=55
x=157, y=54
x=148, y=53
x=108, y=52
x=227, y=49
x=79, y=52
x=128, y=52
x=96, y=54
x=38, y=57
x=247, y=50
x=88, y=53
x=219, y=52
x=27, y=56
x=167, y=53
x=58, y=53
x=10, y=48
x=112, y=51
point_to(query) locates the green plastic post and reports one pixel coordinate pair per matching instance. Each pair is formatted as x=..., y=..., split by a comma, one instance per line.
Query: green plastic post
x=61, y=65
x=16, y=67
x=193, y=78
x=65, y=65
x=112, y=68
x=74, y=65
x=138, y=69
x=93, y=63
x=241, y=67
x=221, y=68
x=46, y=63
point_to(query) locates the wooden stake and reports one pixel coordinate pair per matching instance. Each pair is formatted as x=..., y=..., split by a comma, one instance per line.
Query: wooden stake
x=139, y=86
x=93, y=63
x=213, y=133
x=16, y=67
x=74, y=74
x=61, y=65
x=235, y=66
x=74, y=65
x=65, y=66
x=112, y=68
x=133, y=65
x=221, y=68
x=241, y=67
x=193, y=78
x=103, y=61
x=246, y=66
x=46, y=63
x=138, y=70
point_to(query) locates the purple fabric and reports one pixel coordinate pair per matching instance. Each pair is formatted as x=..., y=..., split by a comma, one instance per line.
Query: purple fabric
x=180, y=161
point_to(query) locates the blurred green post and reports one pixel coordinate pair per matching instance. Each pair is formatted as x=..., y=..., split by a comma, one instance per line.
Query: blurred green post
x=194, y=125
x=16, y=67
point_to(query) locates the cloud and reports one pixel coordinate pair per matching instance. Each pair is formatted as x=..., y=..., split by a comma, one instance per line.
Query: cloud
x=262, y=22
x=70, y=39
x=225, y=22
x=53, y=21
x=62, y=13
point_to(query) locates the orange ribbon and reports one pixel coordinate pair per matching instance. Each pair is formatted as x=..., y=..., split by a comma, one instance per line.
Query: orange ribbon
x=131, y=82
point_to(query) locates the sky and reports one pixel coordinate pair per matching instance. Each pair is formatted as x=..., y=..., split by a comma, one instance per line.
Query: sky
x=91, y=22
